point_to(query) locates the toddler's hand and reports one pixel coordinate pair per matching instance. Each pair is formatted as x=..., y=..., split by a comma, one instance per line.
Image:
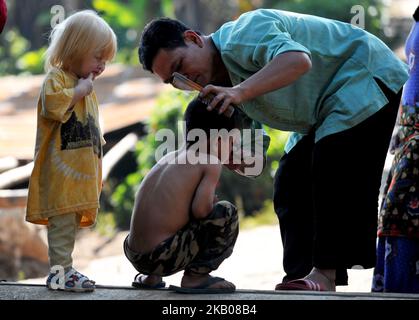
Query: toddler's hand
x=86, y=85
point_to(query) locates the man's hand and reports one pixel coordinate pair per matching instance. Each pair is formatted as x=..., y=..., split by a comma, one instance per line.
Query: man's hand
x=222, y=97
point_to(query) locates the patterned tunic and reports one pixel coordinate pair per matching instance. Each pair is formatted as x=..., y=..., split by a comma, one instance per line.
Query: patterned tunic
x=399, y=214
x=397, y=268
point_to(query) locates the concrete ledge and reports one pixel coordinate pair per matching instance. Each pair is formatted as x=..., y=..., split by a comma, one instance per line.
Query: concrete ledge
x=18, y=291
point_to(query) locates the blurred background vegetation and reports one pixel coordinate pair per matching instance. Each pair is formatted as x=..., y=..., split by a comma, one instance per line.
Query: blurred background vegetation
x=24, y=40
x=26, y=34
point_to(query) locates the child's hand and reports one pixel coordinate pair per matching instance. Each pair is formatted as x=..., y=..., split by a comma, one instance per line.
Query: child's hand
x=86, y=85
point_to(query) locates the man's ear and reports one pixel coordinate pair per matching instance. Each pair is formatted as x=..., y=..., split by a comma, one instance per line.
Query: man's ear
x=190, y=35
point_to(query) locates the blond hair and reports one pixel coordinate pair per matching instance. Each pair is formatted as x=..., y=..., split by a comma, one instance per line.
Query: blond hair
x=80, y=34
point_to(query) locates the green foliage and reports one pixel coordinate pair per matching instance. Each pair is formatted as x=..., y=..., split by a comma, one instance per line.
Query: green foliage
x=250, y=195
x=337, y=10
x=278, y=140
x=168, y=8
x=127, y=19
x=18, y=44
x=106, y=224
x=21, y=275
x=127, y=56
x=13, y=46
x=266, y=216
x=32, y=61
x=125, y=15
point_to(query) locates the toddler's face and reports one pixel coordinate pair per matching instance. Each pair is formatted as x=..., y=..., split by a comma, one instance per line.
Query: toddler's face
x=92, y=63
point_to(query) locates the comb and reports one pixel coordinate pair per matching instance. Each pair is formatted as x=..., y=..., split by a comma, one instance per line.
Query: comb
x=183, y=83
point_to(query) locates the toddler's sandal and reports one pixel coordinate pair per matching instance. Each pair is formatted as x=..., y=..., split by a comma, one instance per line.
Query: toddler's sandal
x=77, y=282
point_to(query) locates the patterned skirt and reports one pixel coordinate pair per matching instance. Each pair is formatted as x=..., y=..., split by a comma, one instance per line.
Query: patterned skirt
x=397, y=268
x=399, y=214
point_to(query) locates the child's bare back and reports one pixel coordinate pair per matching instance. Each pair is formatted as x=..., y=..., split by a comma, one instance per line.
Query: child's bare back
x=177, y=222
x=172, y=192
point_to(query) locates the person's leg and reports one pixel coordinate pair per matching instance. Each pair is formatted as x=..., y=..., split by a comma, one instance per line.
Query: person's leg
x=400, y=265
x=217, y=236
x=198, y=248
x=170, y=256
x=62, y=231
x=347, y=170
x=293, y=205
x=378, y=275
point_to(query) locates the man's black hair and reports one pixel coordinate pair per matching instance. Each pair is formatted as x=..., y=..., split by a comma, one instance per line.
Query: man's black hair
x=198, y=117
x=161, y=33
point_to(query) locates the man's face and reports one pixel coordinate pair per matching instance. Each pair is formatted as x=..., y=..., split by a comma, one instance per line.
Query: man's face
x=193, y=61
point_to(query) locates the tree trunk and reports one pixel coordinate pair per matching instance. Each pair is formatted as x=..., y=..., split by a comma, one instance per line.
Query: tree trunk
x=190, y=13
x=32, y=18
x=205, y=16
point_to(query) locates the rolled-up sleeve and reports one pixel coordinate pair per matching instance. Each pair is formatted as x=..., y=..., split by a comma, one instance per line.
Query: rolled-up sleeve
x=273, y=43
x=254, y=41
x=56, y=99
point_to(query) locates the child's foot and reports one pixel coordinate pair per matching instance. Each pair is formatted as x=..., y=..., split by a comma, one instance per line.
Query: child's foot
x=143, y=281
x=193, y=280
x=73, y=281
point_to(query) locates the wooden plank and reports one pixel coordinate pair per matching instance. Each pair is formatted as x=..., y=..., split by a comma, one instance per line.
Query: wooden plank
x=117, y=152
x=15, y=176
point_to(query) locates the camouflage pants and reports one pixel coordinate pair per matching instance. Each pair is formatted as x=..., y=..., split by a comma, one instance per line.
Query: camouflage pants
x=199, y=247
